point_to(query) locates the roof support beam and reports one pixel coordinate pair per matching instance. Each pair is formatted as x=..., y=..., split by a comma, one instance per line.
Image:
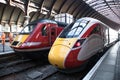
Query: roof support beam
x=11, y=15
x=82, y=12
x=59, y=10
x=78, y=10
x=51, y=8
x=2, y=13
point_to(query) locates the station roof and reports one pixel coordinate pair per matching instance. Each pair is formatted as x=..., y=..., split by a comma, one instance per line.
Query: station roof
x=14, y=11
x=108, y=8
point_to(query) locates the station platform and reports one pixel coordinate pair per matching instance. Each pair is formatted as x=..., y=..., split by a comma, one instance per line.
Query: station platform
x=108, y=67
x=7, y=49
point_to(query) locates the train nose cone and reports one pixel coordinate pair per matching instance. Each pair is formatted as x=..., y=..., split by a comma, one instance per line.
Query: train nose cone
x=57, y=55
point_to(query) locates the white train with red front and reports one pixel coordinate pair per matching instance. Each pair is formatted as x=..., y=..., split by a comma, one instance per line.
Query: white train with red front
x=79, y=41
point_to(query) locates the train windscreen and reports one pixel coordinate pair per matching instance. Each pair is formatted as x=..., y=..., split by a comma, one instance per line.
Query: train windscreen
x=28, y=29
x=74, y=29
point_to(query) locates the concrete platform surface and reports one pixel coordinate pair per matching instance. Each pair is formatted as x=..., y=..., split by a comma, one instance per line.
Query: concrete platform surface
x=108, y=67
x=6, y=47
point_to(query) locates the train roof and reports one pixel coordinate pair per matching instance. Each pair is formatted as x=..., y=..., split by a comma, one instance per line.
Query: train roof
x=92, y=20
x=61, y=24
x=88, y=19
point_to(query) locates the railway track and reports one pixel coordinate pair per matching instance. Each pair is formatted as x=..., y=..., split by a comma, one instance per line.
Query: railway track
x=29, y=70
x=6, y=57
x=14, y=67
x=80, y=74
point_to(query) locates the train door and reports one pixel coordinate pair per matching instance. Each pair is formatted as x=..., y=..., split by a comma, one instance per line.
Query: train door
x=95, y=39
x=52, y=34
x=105, y=35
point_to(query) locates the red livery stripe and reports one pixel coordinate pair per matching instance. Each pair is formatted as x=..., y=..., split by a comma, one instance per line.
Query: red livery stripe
x=87, y=33
x=71, y=60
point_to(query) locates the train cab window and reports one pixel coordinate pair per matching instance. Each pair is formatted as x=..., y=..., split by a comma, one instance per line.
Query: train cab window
x=74, y=29
x=28, y=29
x=96, y=30
x=44, y=31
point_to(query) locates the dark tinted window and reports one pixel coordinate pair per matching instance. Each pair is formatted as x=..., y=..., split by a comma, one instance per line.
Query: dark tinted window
x=96, y=30
x=28, y=29
x=53, y=31
x=44, y=31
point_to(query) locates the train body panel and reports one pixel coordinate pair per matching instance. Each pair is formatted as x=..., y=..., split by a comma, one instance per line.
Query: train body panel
x=90, y=36
x=39, y=36
x=90, y=47
x=62, y=46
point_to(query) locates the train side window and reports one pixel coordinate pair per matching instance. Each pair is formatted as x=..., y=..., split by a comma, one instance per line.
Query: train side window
x=96, y=30
x=53, y=31
x=44, y=31
x=100, y=29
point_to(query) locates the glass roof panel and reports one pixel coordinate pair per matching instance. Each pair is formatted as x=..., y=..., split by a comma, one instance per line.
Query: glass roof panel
x=108, y=8
x=109, y=0
x=98, y=6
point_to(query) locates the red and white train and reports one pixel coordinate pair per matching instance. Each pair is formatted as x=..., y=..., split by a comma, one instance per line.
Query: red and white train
x=37, y=35
x=79, y=41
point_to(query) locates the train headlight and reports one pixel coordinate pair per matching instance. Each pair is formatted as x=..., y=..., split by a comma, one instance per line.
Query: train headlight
x=28, y=44
x=78, y=43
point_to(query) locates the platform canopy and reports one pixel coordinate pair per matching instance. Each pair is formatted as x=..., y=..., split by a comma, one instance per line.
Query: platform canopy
x=108, y=8
x=19, y=11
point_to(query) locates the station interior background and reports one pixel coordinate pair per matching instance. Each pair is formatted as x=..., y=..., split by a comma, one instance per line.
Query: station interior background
x=15, y=14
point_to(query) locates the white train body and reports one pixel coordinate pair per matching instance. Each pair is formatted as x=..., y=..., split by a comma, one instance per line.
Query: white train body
x=79, y=41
